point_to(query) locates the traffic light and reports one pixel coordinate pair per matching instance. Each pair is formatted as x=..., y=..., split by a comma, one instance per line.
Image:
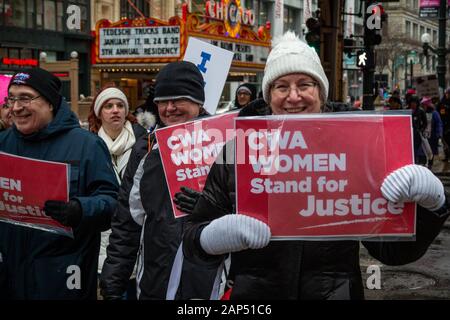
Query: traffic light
x=312, y=37
x=373, y=23
x=365, y=59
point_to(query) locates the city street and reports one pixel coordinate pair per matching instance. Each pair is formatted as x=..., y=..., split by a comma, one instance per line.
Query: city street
x=427, y=278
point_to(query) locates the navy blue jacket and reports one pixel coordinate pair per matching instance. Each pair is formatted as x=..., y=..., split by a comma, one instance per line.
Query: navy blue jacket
x=37, y=264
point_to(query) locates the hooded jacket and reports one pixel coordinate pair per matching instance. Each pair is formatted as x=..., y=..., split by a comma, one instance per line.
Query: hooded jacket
x=293, y=269
x=38, y=264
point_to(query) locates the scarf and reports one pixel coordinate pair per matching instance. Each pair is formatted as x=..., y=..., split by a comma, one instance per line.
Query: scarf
x=120, y=148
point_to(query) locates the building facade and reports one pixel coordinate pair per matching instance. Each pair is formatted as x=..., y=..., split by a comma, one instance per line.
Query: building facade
x=57, y=27
x=400, y=55
x=135, y=76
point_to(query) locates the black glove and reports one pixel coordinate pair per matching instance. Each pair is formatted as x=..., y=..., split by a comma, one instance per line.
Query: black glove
x=66, y=213
x=186, y=199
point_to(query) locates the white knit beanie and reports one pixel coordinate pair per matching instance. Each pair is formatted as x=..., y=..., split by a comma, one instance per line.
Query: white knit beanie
x=291, y=55
x=110, y=93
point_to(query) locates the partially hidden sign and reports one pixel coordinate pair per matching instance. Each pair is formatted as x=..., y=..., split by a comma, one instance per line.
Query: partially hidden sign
x=188, y=151
x=213, y=63
x=25, y=185
x=319, y=176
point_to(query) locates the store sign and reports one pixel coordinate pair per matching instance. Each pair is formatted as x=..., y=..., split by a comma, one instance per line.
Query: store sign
x=139, y=42
x=231, y=12
x=20, y=62
x=243, y=52
x=430, y=8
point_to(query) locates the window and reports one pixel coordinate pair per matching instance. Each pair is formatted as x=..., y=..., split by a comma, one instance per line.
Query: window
x=291, y=19
x=422, y=31
x=435, y=38
x=30, y=14
x=415, y=4
x=408, y=29
x=59, y=16
x=433, y=63
x=39, y=14
x=84, y=23
x=415, y=31
x=261, y=13
x=126, y=10
x=49, y=15
x=15, y=13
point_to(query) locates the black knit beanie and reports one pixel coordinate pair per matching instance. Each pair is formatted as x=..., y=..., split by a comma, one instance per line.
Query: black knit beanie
x=180, y=79
x=42, y=81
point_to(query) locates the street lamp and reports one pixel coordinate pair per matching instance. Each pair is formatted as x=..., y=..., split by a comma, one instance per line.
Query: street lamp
x=440, y=51
x=74, y=54
x=43, y=56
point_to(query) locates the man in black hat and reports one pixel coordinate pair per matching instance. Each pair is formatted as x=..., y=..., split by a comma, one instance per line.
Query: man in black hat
x=38, y=263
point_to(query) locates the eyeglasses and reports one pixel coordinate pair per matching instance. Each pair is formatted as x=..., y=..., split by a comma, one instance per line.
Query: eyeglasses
x=284, y=89
x=176, y=103
x=24, y=101
x=243, y=93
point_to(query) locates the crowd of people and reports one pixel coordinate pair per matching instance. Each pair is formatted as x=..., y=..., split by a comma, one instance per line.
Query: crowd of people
x=117, y=184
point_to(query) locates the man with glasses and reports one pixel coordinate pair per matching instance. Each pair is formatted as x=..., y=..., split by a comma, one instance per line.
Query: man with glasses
x=295, y=83
x=37, y=263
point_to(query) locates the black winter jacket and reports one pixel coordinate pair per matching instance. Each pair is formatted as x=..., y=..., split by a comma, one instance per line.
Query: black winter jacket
x=294, y=269
x=125, y=232
x=37, y=264
x=161, y=237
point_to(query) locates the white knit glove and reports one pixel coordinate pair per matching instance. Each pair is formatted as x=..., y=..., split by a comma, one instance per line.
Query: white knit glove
x=234, y=232
x=414, y=183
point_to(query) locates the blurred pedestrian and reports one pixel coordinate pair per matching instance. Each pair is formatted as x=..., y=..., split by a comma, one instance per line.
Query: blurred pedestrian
x=6, y=120
x=434, y=130
x=245, y=94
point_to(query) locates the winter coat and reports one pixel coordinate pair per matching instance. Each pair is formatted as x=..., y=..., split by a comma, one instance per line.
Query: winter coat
x=38, y=263
x=139, y=132
x=434, y=130
x=294, y=269
x=150, y=228
x=125, y=232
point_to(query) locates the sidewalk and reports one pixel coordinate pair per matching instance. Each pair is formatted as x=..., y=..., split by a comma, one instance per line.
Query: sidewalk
x=427, y=278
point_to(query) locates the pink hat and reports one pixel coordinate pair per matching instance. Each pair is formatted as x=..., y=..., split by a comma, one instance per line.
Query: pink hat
x=411, y=91
x=426, y=101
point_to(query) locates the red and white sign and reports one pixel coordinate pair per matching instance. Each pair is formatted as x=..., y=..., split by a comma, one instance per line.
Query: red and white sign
x=319, y=176
x=25, y=185
x=188, y=151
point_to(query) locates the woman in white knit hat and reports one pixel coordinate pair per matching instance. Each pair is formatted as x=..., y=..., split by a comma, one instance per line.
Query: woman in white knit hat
x=111, y=119
x=295, y=83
